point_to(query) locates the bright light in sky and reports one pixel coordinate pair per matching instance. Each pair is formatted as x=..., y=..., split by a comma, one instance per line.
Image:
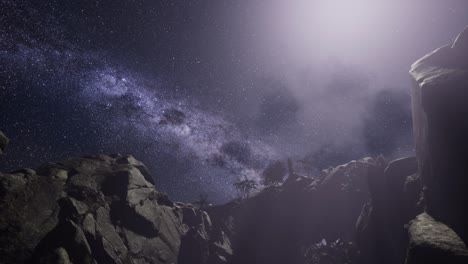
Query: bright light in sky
x=343, y=16
x=300, y=33
x=338, y=25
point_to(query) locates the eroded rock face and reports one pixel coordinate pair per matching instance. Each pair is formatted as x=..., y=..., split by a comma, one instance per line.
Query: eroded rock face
x=440, y=116
x=99, y=209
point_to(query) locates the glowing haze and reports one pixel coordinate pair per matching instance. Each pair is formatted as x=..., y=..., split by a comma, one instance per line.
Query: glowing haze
x=324, y=26
x=369, y=33
x=367, y=44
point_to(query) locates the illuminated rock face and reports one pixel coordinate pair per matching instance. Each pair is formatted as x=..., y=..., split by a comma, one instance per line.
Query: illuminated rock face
x=440, y=116
x=434, y=242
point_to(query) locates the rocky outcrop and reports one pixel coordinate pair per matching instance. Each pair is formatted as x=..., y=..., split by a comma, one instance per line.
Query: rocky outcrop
x=3, y=142
x=100, y=209
x=286, y=224
x=105, y=209
x=440, y=115
x=434, y=242
x=434, y=182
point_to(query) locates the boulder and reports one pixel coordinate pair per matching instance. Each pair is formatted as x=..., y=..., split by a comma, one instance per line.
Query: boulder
x=434, y=242
x=440, y=117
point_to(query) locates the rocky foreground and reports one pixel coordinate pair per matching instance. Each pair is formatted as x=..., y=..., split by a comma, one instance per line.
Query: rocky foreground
x=106, y=209
x=101, y=209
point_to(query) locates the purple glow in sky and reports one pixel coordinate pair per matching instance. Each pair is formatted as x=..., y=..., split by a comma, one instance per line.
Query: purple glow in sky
x=382, y=36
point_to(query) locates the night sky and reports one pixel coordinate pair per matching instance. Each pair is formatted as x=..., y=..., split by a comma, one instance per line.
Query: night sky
x=205, y=92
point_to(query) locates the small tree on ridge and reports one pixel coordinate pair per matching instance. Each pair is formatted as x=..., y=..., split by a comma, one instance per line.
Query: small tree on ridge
x=245, y=187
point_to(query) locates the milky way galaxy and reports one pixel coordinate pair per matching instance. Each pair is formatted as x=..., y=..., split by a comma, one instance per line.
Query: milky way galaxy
x=126, y=113
x=176, y=128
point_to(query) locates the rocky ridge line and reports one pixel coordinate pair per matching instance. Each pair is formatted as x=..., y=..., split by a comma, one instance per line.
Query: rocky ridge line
x=99, y=209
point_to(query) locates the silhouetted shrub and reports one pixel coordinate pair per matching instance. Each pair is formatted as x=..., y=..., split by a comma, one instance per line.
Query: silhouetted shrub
x=245, y=187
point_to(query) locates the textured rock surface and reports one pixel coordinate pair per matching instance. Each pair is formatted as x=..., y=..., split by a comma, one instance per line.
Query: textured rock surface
x=100, y=209
x=440, y=116
x=434, y=242
x=3, y=142
x=105, y=209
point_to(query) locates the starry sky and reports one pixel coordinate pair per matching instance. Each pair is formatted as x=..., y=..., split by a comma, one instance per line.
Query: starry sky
x=207, y=91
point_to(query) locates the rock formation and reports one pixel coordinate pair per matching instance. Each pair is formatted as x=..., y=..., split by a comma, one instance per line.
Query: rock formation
x=286, y=224
x=100, y=209
x=440, y=118
x=440, y=115
x=393, y=227
x=434, y=242
x=105, y=209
